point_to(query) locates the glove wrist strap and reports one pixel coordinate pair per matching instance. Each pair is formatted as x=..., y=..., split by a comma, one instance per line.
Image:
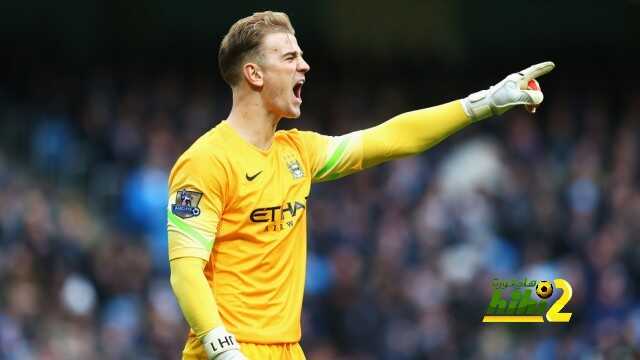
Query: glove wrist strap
x=477, y=106
x=218, y=341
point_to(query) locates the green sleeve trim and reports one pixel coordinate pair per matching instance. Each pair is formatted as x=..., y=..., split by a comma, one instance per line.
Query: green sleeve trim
x=335, y=157
x=189, y=231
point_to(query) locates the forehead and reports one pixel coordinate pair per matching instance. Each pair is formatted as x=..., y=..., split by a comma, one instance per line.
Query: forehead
x=279, y=43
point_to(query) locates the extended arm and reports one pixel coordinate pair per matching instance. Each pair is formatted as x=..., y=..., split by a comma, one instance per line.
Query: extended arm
x=413, y=132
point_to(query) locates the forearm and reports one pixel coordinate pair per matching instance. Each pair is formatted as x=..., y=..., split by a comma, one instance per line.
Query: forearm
x=412, y=132
x=194, y=294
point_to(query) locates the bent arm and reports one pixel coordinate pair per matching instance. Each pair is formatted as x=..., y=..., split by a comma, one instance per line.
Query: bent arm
x=194, y=294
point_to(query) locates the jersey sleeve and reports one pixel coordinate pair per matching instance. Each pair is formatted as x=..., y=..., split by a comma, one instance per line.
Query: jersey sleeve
x=410, y=133
x=196, y=200
x=332, y=157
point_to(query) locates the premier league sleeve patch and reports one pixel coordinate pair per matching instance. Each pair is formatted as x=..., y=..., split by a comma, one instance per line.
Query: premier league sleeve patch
x=186, y=204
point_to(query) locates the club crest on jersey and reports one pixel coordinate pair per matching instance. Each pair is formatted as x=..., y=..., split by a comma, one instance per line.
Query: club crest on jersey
x=186, y=205
x=295, y=169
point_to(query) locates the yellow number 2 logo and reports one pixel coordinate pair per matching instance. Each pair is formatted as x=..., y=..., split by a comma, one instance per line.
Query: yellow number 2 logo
x=554, y=314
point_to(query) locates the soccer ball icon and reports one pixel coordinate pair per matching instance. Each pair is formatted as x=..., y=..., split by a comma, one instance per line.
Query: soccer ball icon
x=544, y=289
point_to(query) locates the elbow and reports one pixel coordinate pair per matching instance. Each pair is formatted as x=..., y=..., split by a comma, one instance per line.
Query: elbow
x=184, y=271
x=176, y=277
x=174, y=280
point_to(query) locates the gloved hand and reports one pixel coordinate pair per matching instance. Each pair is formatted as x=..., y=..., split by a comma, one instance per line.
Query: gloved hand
x=221, y=345
x=511, y=91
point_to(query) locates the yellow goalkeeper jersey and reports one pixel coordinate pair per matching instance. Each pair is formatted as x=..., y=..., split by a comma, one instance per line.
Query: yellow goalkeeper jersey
x=244, y=211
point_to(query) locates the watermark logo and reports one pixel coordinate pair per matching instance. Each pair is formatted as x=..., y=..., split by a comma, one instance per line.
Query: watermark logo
x=520, y=306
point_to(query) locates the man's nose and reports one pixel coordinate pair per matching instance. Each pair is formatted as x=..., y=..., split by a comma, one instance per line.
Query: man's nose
x=303, y=66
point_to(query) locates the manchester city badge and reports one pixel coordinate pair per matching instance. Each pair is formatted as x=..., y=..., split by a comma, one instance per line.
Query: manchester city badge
x=295, y=169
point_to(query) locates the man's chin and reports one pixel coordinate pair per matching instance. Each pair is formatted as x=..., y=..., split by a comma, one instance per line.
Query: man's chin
x=293, y=115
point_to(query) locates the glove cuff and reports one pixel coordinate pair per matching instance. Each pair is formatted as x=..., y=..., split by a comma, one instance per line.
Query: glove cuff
x=218, y=341
x=477, y=106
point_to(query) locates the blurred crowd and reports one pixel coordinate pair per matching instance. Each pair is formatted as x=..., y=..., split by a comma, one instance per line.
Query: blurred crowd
x=401, y=257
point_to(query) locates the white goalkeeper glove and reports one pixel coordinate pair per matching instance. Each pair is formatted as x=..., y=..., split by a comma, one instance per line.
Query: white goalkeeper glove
x=513, y=90
x=221, y=345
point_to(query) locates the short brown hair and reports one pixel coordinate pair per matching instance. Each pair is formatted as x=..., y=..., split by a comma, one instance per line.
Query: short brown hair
x=244, y=38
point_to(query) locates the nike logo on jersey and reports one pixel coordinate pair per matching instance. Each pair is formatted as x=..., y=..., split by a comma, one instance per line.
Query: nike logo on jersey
x=250, y=178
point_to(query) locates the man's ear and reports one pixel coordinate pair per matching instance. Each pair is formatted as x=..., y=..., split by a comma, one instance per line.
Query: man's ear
x=253, y=74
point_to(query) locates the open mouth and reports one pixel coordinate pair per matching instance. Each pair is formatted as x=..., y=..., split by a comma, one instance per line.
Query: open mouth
x=297, y=90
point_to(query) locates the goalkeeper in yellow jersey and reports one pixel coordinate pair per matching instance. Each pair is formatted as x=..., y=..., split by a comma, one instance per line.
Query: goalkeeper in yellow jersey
x=238, y=196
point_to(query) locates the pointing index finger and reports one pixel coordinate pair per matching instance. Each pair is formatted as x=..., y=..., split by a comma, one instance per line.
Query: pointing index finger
x=537, y=70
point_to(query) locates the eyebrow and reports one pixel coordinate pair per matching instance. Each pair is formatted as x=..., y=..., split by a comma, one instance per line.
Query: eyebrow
x=295, y=52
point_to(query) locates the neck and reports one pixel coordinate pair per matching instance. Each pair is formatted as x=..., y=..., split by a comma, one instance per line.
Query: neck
x=251, y=120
